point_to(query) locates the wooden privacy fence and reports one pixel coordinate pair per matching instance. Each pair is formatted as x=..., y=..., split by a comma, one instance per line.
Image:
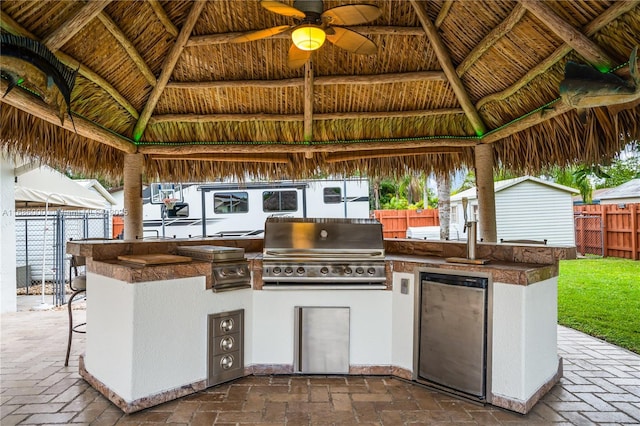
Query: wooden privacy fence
x=617, y=228
x=396, y=222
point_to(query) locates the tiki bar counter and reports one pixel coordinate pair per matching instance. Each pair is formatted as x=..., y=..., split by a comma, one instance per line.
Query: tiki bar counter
x=153, y=315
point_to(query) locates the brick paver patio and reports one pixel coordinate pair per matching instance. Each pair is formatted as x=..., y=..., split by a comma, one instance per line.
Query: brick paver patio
x=601, y=385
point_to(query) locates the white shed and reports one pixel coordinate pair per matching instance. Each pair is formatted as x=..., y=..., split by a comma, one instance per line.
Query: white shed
x=527, y=208
x=626, y=193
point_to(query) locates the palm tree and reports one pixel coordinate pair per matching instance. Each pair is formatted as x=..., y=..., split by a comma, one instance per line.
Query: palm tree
x=443, y=182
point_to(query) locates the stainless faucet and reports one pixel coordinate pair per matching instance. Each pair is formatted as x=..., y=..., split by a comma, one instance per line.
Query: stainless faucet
x=472, y=235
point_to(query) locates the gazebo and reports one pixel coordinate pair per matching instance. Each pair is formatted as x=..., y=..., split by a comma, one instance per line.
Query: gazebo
x=194, y=90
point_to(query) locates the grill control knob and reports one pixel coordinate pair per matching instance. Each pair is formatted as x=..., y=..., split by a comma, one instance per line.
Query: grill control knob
x=371, y=271
x=324, y=270
x=288, y=270
x=300, y=270
x=226, y=344
x=226, y=362
x=359, y=270
x=241, y=271
x=347, y=270
x=226, y=325
x=277, y=270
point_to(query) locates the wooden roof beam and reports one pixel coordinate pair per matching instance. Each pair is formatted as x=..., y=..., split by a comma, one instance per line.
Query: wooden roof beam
x=571, y=36
x=9, y=25
x=222, y=38
x=337, y=158
x=228, y=158
x=75, y=23
x=308, y=100
x=302, y=148
x=448, y=68
x=167, y=68
x=217, y=118
x=163, y=17
x=131, y=50
x=30, y=104
x=617, y=9
x=329, y=80
x=490, y=39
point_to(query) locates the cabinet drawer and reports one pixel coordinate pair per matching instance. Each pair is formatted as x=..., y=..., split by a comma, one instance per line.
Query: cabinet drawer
x=227, y=324
x=226, y=343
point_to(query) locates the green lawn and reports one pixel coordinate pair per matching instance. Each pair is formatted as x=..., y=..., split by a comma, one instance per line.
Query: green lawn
x=601, y=297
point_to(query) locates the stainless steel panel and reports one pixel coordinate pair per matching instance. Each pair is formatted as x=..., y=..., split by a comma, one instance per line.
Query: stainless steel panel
x=322, y=340
x=225, y=356
x=285, y=237
x=212, y=253
x=452, y=336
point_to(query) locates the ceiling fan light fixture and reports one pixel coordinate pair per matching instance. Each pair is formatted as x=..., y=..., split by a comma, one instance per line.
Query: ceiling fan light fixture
x=308, y=37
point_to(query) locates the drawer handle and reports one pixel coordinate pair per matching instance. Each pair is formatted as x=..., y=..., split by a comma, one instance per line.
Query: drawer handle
x=226, y=344
x=226, y=362
x=226, y=325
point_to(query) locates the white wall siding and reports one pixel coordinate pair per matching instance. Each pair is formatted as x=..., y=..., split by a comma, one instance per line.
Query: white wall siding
x=533, y=211
x=7, y=238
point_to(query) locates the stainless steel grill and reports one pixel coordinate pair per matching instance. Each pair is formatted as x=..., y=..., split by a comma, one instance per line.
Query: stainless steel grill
x=229, y=268
x=323, y=251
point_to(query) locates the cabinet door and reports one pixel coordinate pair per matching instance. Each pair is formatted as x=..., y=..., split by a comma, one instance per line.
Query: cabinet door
x=322, y=340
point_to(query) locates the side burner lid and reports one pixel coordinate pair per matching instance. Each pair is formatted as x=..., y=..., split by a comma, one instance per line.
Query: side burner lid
x=212, y=253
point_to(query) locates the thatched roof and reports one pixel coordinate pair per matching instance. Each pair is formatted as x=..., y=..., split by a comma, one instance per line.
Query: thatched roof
x=161, y=78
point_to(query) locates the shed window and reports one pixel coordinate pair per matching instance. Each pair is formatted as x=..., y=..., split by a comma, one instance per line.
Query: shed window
x=230, y=202
x=279, y=201
x=454, y=214
x=332, y=195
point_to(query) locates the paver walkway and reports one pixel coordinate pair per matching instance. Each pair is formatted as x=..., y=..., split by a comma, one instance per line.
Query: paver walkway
x=601, y=385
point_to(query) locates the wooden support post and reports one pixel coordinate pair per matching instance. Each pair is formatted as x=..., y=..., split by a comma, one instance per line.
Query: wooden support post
x=603, y=215
x=486, y=193
x=133, y=165
x=634, y=231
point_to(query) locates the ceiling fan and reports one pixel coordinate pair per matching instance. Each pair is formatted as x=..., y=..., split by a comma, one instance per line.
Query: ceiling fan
x=315, y=25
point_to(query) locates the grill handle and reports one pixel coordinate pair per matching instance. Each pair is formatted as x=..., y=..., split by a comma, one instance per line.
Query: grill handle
x=317, y=253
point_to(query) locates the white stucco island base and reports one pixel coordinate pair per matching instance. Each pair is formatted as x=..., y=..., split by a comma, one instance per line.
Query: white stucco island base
x=147, y=341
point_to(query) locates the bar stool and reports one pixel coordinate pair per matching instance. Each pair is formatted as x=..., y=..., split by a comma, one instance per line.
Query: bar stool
x=78, y=284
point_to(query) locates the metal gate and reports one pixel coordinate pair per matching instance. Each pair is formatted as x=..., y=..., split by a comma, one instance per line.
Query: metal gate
x=41, y=241
x=589, y=235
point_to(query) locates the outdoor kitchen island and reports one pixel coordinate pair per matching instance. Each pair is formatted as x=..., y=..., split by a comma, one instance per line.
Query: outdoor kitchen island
x=148, y=340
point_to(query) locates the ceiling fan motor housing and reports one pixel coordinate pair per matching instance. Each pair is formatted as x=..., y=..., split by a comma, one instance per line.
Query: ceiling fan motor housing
x=310, y=7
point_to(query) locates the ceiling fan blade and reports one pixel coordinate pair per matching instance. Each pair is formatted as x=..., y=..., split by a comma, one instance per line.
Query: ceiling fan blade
x=257, y=35
x=297, y=57
x=353, y=14
x=282, y=9
x=352, y=41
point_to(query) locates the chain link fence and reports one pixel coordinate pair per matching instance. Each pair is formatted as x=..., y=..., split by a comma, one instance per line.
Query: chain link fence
x=589, y=235
x=41, y=244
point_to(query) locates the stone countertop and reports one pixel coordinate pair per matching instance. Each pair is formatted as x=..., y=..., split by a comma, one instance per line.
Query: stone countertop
x=513, y=264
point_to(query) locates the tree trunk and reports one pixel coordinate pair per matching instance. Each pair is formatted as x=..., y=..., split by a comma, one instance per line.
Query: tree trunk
x=444, y=203
x=376, y=193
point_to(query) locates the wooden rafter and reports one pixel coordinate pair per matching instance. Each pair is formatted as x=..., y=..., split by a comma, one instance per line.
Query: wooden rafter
x=11, y=26
x=529, y=121
x=75, y=23
x=571, y=36
x=131, y=50
x=162, y=16
x=30, y=104
x=217, y=118
x=329, y=80
x=448, y=68
x=444, y=11
x=167, y=68
x=487, y=42
x=222, y=38
x=617, y=9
